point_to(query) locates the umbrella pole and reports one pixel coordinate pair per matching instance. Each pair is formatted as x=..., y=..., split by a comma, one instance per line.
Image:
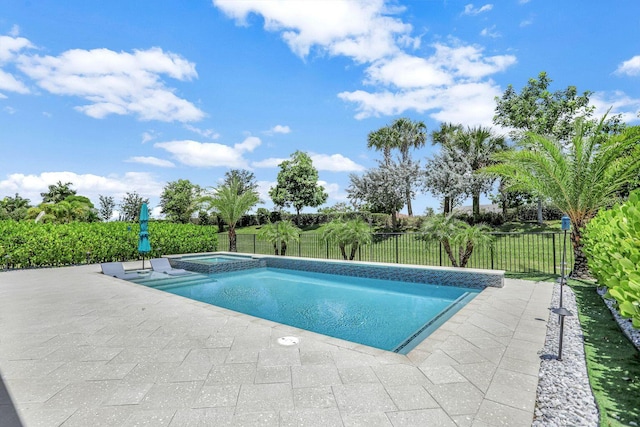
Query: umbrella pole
x=143, y=261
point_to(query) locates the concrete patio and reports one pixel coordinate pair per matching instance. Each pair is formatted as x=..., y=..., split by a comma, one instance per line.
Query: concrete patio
x=78, y=348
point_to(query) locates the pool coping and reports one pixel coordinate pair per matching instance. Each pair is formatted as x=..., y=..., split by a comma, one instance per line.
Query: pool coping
x=479, y=368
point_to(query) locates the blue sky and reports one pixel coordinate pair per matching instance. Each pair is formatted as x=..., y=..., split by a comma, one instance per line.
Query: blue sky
x=126, y=96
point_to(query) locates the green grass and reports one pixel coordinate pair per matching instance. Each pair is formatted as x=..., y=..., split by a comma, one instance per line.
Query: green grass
x=613, y=362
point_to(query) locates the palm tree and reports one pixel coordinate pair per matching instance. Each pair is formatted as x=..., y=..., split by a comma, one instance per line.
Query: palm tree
x=403, y=134
x=578, y=177
x=225, y=201
x=279, y=234
x=354, y=233
x=454, y=233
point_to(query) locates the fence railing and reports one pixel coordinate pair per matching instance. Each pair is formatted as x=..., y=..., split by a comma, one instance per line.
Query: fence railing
x=512, y=252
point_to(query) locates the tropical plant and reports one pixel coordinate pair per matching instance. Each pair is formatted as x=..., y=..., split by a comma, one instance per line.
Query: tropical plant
x=447, y=174
x=130, y=206
x=403, y=134
x=612, y=245
x=58, y=192
x=579, y=177
x=453, y=233
x=279, y=234
x=353, y=233
x=246, y=178
x=226, y=201
x=297, y=184
x=107, y=204
x=178, y=200
x=14, y=207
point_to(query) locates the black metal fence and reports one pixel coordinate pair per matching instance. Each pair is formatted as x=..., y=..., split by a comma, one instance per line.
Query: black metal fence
x=512, y=252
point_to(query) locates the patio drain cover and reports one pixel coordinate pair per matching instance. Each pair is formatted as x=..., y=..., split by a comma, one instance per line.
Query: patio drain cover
x=288, y=341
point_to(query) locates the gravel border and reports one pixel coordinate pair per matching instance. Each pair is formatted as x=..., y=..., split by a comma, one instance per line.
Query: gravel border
x=625, y=324
x=564, y=395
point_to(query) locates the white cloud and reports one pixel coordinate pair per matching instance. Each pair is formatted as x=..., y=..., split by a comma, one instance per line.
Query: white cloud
x=279, y=129
x=618, y=102
x=210, y=154
x=526, y=22
x=272, y=162
x=207, y=133
x=630, y=67
x=407, y=71
x=154, y=161
x=470, y=10
x=9, y=110
x=10, y=47
x=148, y=136
x=490, y=32
x=15, y=31
x=117, y=82
x=333, y=190
x=335, y=163
x=362, y=30
x=89, y=185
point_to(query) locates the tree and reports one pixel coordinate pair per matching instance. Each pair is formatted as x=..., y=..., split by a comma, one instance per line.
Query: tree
x=279, y=234
x=475, y=145
x=578, y=177
x=14, y=207
x=107, y=204
x=297, y=184
x=246, y=179
x=382, y=188
x=58, y=192
x=447, y=175
x=454, y=233
x=403, y=134
x=353, y=233
x=549, y=114
x=130, y=206
x=178, y=200
x=226, y=201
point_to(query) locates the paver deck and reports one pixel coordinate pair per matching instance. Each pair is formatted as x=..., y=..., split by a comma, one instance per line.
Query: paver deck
x=78, y=348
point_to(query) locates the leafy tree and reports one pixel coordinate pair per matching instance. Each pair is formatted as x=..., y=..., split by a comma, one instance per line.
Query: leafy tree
x=578, y=177
x=454, y=233
x=107, y=204
x=353, y=233
x=550, y=114
x=58, y=192
x=382, y=188
x=280, y=234
x=130, y=206
x=246, y=179
x=475, y=146
x=178, y=200
x=229, y=204
x=73, y=208
x=339, y=207
x=403, y=134
x=447, y=175
x=297, y=184
x=14, y=207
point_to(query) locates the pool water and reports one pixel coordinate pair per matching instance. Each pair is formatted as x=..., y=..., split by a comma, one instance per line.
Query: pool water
x=392, y=316
x=214, y=259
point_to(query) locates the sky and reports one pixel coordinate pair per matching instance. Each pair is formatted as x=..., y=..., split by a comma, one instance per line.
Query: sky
x=124, y=96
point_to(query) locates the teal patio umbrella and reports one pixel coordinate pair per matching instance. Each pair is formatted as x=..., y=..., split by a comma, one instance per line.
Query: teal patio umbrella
x=144, y=247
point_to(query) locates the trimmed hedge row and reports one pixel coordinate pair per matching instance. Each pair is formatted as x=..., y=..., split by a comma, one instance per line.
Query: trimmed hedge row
x=612, y=244
x=27, y=244
x=310, y=219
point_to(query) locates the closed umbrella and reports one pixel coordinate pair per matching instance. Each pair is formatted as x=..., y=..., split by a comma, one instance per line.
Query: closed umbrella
x=144, y=247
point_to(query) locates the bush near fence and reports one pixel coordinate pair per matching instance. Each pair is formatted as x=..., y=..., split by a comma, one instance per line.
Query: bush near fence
x=513, y=252
x=311, y=219
x=27, y=244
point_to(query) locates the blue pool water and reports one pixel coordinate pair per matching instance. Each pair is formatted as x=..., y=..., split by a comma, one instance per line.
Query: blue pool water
x=393, y=316
x=214, y=259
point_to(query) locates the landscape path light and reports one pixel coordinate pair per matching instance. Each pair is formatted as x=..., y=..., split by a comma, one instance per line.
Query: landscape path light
x=566, y=226
x=562, y=313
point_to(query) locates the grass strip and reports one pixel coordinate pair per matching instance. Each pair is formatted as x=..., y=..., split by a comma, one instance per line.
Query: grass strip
x=613, y=363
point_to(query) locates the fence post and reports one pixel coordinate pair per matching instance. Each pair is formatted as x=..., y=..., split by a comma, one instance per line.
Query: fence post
x=440, y=252
x=396, y=239
x=553, y=239
x=491, y=252
x=327, y=249
x=254, y=243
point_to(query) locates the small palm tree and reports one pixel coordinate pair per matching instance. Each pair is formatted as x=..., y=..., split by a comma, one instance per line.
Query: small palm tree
x=578, y=178
x=454, y=233
x=354, y=233
x=280, y=234
x=225, y=201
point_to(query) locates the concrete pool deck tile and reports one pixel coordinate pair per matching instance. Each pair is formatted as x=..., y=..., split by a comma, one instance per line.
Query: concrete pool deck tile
x=321, y=417
x=423, y=417
x=264, y=397
x=411, y=397
x=196, y=355
x=36, y=415
x=99, y=417
x=314, y=398
x=363, y=398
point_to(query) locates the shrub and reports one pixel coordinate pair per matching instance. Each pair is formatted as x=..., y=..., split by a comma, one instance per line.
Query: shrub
x=612, y=245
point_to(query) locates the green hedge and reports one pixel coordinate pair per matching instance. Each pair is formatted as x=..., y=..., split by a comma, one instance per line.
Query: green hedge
x=612, y=245
x=27, y=244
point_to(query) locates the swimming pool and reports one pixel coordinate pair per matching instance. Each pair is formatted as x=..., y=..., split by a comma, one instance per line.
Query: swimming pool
x=214, y=259
x=389, y=315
